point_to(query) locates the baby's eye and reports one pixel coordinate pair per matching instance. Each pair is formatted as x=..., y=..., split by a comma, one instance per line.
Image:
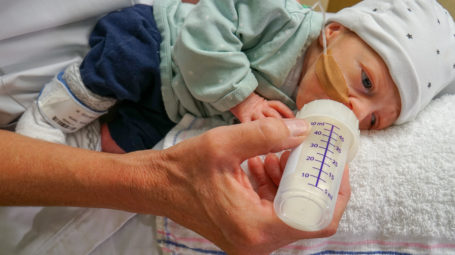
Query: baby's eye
x=366, y=82
x=372, y=121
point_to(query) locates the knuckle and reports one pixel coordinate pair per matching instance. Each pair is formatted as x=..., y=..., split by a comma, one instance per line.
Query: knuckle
x=212, y=143
x=330, y=231
x=273, y=130
x=249, y=239
x=271, y=126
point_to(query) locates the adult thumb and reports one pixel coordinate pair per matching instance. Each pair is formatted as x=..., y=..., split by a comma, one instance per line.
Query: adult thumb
x=262, y=136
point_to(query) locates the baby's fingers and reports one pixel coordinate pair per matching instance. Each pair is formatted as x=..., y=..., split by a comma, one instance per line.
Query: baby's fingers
x=271, y=112
x=281, y=108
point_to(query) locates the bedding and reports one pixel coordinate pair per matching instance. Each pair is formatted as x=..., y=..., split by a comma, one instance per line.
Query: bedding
x=403, y=202
x=403, y=192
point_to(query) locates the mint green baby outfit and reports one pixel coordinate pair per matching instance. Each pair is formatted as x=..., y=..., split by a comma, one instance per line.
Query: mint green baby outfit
x=216, y=53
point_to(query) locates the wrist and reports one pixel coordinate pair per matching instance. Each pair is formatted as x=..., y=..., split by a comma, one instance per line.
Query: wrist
x=38, y=173
x=143, y=183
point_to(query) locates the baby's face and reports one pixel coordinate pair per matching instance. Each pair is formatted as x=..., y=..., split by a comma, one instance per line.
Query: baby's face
x=373, y=96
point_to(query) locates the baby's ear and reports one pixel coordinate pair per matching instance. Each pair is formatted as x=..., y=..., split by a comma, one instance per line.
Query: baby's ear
x=332, y=31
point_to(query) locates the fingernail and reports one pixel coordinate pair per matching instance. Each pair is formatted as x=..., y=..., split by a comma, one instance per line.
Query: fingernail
x=297, y=127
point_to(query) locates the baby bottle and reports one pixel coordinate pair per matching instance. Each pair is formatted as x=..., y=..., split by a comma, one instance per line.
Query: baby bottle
x=309, y=186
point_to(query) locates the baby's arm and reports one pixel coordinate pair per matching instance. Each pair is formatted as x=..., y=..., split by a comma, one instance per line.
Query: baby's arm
x=256, y=107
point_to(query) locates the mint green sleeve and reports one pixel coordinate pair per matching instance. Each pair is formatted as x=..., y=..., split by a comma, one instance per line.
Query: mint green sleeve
x=212, y=50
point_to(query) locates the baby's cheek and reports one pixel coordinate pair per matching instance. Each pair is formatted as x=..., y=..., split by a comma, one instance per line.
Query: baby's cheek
x=309, y=90
x=308, y=94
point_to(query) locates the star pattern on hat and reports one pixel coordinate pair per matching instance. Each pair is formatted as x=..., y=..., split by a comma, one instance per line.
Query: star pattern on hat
x=410, y=36
x=411, y=24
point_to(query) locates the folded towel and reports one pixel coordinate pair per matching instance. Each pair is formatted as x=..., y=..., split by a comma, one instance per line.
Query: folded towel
x=403, y=192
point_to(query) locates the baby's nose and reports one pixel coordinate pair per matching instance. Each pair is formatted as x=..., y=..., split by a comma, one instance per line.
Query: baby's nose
x=360, y=110
x=349, y=105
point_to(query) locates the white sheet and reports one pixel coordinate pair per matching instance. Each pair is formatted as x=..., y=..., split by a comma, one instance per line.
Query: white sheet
x=44, y=14
x=37, y=40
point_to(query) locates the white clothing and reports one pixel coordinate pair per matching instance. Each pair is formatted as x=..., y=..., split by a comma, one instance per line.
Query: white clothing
x=400, y=32
x=37, y=40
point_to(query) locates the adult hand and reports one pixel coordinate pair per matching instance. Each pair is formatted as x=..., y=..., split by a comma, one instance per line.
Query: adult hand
x=269, y=173
x=205, y=189
x=197, y=183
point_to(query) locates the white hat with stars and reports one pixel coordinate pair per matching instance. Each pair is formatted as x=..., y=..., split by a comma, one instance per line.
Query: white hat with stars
x=416, y=40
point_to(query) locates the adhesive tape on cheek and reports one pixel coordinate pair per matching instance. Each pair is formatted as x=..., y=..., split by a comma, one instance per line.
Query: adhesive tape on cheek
x=62, y=109
x=331, y=78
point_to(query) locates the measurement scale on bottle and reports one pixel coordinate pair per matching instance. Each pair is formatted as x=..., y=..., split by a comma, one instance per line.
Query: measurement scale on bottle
x=323, y=163
x=310, y=183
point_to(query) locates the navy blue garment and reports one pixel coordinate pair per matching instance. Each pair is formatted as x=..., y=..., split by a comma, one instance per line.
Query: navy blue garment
x=123, y=63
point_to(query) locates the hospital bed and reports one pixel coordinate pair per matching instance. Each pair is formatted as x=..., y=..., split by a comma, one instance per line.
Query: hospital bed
x=403, y=178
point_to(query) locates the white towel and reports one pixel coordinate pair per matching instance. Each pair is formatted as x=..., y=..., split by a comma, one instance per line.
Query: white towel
x=403, y=192
x=403, y=179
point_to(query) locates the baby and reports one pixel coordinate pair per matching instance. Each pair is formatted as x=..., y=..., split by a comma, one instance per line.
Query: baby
x=248, y=59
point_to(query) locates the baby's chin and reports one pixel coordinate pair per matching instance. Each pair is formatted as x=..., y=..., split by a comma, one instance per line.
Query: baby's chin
x=301, y=104
x=301, y=101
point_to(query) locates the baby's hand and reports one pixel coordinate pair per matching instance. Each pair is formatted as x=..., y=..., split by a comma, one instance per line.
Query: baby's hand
x=256, y=107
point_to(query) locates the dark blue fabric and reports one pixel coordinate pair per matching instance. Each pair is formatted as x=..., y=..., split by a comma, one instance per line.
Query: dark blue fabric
x=123, y=63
